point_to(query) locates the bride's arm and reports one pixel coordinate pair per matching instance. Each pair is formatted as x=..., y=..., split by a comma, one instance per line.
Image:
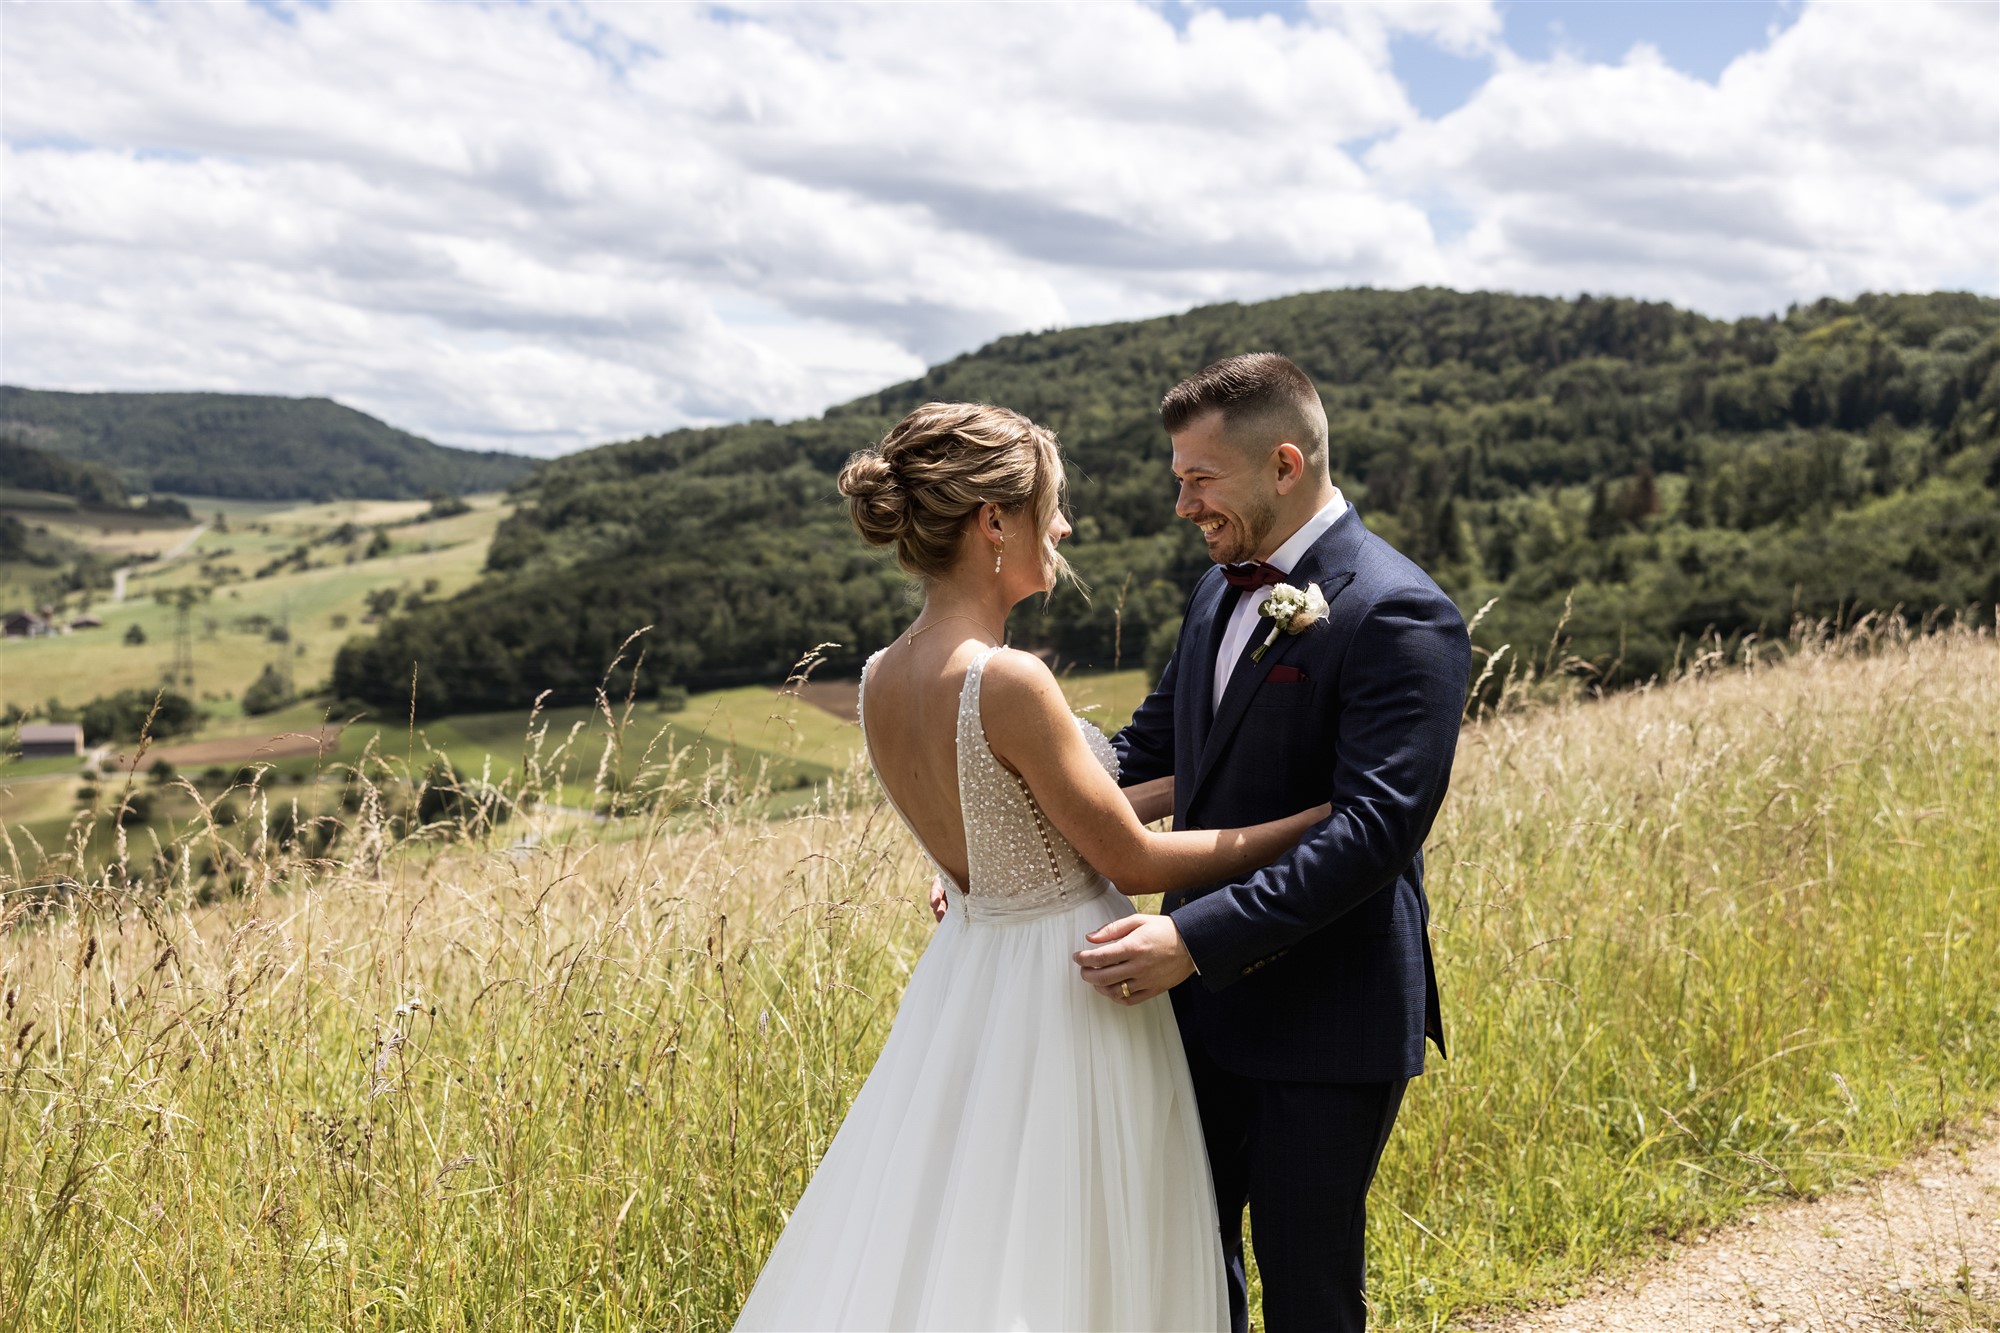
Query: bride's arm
x=1030, y=729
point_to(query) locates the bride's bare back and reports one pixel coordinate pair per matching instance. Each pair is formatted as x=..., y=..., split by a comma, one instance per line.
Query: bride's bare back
x=910, y=719
x=911, y=701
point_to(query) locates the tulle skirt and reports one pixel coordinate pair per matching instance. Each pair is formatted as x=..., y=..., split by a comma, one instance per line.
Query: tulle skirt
x=1024, y=1155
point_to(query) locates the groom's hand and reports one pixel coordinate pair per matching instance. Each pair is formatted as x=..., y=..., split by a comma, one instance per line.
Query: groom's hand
x=1136, y=958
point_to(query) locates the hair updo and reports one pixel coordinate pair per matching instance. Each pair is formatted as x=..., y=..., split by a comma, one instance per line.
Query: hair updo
x=915, y=489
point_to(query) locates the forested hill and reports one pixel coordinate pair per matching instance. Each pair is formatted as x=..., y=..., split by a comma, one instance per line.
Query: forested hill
x=1674, y=473
x=247, y=446
x=23, y=468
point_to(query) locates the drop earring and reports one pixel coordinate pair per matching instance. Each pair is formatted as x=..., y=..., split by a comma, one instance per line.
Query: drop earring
x=998, y=547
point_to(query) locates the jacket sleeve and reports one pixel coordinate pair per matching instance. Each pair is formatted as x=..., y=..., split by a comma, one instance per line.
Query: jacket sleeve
x=1403, y=694
x=1145, y=745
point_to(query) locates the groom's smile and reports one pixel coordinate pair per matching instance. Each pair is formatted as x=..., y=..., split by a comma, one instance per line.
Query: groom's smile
x=1224, y=491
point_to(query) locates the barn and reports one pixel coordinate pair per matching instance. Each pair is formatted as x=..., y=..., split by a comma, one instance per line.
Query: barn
x=44, y=740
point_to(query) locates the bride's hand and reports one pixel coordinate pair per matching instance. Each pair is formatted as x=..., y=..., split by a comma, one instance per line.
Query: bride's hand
x=938, y=901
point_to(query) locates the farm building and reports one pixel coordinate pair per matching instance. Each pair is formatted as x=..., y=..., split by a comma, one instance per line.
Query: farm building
x=24, y=625
x=44, y=740
x=86, y=622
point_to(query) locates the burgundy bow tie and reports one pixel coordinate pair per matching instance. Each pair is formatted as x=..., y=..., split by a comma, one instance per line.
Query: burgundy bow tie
x=1252, y=574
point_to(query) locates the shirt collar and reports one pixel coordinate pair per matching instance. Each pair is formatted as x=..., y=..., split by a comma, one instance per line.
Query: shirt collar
x=1287, y=557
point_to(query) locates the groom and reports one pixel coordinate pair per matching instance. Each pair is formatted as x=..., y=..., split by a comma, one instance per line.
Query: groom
x=1312, y=988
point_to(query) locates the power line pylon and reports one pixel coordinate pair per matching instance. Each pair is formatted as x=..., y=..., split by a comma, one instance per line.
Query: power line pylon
x=181, y=672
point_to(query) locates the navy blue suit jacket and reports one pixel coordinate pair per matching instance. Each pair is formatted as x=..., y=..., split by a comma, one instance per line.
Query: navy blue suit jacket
x=1318, y=967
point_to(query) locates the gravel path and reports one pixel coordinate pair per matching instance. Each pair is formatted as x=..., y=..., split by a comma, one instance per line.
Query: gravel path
x=1915, y=1248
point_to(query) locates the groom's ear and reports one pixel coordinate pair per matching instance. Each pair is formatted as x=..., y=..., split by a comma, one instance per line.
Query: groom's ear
x=1290, y=461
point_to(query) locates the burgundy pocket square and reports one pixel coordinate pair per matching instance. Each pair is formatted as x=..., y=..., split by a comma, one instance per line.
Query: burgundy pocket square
x=1284, y=675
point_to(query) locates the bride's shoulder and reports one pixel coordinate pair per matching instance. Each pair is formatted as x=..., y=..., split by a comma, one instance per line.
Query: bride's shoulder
x=1019, y=685
x=1013, y=669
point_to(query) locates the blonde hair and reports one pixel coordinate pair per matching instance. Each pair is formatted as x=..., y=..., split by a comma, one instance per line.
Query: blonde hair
x=935, y=469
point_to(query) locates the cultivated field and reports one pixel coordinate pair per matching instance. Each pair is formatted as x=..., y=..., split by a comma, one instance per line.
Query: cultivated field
x=1719, y=942
x=313, y=590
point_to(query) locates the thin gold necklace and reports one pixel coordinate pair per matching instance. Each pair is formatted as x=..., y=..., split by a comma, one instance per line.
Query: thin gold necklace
x=913, y=631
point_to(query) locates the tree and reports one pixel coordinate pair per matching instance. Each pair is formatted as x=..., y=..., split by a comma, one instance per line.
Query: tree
x=1527, y=430
x=1603, y=521
x=123, y=716
x=268, y=693
x=1694, y=502
x=1640, y=497
x=445, y=506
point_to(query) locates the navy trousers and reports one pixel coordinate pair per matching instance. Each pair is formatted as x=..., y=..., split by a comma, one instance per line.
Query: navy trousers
x=1301, y=1156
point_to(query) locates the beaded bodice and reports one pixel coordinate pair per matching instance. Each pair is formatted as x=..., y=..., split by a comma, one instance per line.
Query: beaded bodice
x=1017, y=864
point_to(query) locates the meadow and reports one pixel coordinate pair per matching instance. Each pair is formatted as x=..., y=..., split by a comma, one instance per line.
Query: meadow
x=1705, y=944
x=587, y=762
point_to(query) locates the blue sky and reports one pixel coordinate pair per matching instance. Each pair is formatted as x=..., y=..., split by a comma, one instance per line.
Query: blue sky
x=1698, y=37
x=544, y=224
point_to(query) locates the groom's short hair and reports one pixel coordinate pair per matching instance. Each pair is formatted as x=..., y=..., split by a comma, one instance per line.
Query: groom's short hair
x=1264, y=399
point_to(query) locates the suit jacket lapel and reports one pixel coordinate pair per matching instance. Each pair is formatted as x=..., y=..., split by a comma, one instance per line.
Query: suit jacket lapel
x=1328, y=562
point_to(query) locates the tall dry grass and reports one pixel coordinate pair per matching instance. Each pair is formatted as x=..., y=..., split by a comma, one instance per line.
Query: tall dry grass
x=1717, y=941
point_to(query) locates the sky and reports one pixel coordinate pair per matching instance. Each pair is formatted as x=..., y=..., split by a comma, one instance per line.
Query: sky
x=540, y=226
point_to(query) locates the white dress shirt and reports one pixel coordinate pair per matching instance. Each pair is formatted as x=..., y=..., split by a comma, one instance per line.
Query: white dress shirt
x=1243, y=620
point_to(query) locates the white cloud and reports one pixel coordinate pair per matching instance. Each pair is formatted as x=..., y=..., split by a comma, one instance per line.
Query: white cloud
x=544, y=226
x=1459, y=28
x=1859, y=150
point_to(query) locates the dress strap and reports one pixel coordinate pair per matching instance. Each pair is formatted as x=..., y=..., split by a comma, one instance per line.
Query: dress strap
x=973, y=673
x=971, y=725
x=861, y=687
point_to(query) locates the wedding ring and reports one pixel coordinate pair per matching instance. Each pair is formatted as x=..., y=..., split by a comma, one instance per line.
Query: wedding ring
x=1124, y=990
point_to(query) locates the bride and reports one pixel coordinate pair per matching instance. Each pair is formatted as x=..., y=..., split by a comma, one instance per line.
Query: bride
x=1024, y=1154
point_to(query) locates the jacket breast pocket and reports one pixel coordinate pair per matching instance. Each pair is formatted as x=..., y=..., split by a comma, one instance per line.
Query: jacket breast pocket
x=1296, y=693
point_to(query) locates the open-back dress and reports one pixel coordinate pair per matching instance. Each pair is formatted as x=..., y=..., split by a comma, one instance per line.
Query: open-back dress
x=1025, y=1154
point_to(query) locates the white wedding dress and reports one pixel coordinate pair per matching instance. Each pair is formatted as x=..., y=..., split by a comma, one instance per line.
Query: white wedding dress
x=1025, y=1154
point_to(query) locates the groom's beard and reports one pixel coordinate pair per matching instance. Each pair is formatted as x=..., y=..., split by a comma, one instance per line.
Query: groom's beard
x=1251, y=528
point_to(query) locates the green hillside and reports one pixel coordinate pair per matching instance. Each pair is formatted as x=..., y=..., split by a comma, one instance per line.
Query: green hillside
x=1662, y=473
x=36, y=486
x=25, y=468
x=247, y=446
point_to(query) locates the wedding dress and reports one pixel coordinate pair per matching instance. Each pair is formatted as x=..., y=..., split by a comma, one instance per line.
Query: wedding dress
x=1024, y=1154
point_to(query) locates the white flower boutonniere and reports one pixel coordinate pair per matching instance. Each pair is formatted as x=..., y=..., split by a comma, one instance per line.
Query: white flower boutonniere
x=1294, y=609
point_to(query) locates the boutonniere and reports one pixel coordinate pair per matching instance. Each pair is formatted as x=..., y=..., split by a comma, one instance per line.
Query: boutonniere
x=1294, y=610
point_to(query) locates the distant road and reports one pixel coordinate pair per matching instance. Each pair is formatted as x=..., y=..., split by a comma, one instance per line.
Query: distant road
x=180, y=548
x=174, y=552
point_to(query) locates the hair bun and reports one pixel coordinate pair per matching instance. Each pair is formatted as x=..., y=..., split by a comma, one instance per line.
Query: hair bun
x=932, y=472
x=876, y=498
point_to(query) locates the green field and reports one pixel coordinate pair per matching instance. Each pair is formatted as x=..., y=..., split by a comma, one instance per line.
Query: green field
x=1705, y=946
x=230, y=636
